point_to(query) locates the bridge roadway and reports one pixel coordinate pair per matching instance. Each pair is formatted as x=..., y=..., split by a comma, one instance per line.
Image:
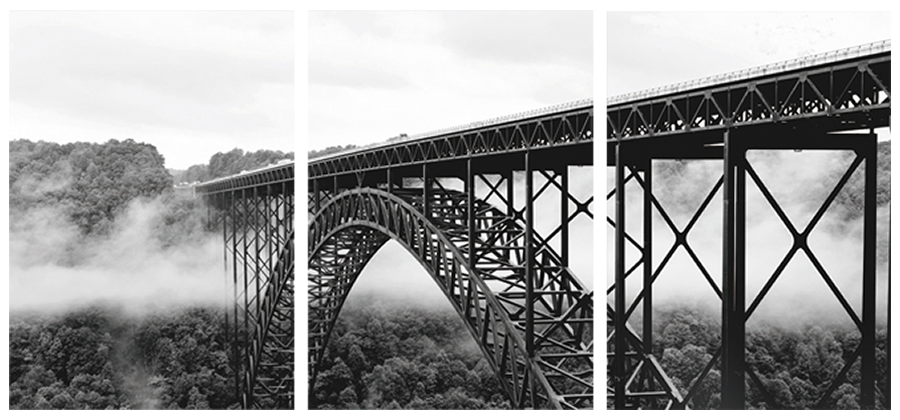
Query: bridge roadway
x=510, y=282
x=803, y=104
x=834, y=91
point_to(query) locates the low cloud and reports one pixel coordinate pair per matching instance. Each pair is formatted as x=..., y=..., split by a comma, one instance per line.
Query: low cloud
x=800, y=183
x=54, y=268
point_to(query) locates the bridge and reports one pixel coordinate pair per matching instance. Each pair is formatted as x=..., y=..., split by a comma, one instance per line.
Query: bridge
x=455, y=200
x=254, y=211
x=804, y=104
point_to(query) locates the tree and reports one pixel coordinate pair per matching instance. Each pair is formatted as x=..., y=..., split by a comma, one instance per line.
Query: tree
x=196, y=400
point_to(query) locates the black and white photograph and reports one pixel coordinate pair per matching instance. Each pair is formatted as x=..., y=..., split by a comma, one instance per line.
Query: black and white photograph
x=450, y=158
x=748, y=210
x=151, y=162
x=452, y=232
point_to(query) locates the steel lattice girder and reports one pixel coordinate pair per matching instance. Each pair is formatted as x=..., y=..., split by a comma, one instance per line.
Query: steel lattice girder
x=646, y=380
x=273, y=176
x=842, y=95
x=256, y=220
x=553, y=128
x=482, y=276
x=735, y=314
x=733, y=328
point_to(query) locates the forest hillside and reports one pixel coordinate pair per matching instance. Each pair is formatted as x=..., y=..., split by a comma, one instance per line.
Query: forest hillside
x=115, y=281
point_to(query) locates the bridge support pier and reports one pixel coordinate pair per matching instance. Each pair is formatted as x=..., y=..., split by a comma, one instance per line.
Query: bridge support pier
x=634, y=369
x=733, y=269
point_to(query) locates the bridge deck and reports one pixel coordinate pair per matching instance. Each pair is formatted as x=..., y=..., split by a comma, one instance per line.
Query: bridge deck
x=559, y=127
x=272, y=175
x=837, y=91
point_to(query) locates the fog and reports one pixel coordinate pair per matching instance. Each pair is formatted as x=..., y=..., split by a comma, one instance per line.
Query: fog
x=53, y=268
x=395, y=276
x=800, y=181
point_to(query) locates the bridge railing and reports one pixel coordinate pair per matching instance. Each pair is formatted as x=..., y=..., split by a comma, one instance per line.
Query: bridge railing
x=277, y=173
x=554, y=109
x=759, y=71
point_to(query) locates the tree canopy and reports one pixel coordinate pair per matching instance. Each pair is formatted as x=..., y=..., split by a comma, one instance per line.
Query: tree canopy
x=230, y=163
x=101, y=358
x=90, y=182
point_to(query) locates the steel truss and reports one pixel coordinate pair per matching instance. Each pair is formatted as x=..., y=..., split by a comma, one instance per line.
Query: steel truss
x=552, y=128
x=511, y=285
x=635, y=378
x=839, y=94
x=255, y=214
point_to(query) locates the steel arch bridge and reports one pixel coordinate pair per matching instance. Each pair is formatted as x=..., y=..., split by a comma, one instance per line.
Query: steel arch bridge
x=255, y=213
x=452, y=200
x=802, y=104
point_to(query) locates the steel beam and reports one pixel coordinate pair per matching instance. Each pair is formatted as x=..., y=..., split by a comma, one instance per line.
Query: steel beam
x=648, y=258
x=619, y=300
x=529, y=257
x=733, y=281
x=869, y=151
x=845, y=94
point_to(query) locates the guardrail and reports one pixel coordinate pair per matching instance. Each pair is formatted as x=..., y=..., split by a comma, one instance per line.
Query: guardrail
x=568, y=106
x=783, y=66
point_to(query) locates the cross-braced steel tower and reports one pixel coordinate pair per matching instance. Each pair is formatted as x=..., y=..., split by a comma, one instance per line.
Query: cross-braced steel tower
x=255, y=213
x=804, y=104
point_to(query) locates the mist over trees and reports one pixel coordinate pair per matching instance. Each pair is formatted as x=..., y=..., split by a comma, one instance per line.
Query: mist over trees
x=102, y=358
x=101, y=220
x=382, y=356
x=795, y=365
x=795, y=355
x=89, y=182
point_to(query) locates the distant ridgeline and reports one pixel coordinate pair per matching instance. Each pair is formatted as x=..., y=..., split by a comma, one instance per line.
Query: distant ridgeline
x=330, y=150
x=224, y=164
x=92, y=183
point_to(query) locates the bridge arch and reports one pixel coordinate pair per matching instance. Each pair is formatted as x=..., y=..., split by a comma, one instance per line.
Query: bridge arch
x=483, y=278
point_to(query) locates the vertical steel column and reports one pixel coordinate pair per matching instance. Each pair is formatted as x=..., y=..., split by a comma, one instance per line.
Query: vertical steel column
x=529, y=256
x=270, y=253
x=648, y=260
x=220, y=206
x=226, y=211
x=867, y=382
x=232, y=206
x=619, y=298
x=733, y=317
x=510, y=204
x=529, y=271
x=470, y=216
x=564, y=234
x=426, y=191
x=247, y=392
x=316, y=196
x=287, y=191
x=256, y=273
x=564, y=215
x=510, y=193
x=390, y=181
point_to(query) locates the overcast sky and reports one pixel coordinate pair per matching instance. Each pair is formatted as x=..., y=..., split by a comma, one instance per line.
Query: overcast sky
x=374, y=75
x=190, y=83
x=648, y=50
